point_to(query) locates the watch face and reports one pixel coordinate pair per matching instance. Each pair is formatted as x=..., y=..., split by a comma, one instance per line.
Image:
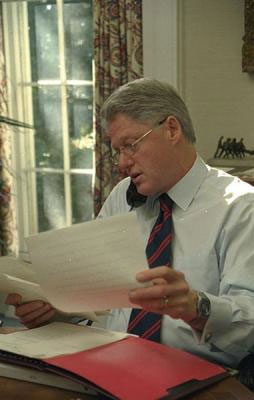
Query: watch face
x=204, y=306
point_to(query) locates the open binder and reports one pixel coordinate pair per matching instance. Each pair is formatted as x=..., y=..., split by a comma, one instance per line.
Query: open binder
x=130, y=369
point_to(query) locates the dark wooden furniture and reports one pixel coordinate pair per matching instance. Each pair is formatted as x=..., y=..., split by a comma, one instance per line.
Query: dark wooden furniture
x=11, y=389
x=228, y=389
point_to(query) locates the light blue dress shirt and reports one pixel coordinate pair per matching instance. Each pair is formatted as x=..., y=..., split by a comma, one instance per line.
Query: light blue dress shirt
x=213, y=245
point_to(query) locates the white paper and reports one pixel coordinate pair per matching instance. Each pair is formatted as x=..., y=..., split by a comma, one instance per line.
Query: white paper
x=43, y=378
x=89, y=266
x=17, y=267
x=14, y=275
x=28, y=290
x=56, y=339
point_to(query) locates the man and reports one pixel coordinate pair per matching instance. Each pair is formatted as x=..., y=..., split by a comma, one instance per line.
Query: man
x=206, y=293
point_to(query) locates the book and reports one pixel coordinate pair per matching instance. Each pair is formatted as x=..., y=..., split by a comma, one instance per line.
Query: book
x=117, y=365
x=82, y=269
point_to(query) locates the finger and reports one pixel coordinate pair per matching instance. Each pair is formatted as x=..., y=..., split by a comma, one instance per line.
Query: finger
x=151, y=292
x=28, y=308
x=177, y=306
x=159, y=281
x=41, y=320
x=158, y=291
x=36, y=314
x=164, y=304
x=164, y=272
x=13, y=299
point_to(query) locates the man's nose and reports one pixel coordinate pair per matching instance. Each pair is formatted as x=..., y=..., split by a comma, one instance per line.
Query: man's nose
x=125, y=162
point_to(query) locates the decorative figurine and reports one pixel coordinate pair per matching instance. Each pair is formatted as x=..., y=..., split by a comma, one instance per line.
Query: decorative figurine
x=231, y=148
x=219, y=147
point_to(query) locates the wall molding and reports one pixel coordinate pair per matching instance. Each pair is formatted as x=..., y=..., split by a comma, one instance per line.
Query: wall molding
x=161, y=40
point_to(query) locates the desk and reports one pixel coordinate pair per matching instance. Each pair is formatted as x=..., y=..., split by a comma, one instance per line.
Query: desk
x=11, y=389
x=228, y=389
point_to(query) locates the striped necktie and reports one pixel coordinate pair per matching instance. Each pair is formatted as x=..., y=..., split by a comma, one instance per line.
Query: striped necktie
x=158, y=251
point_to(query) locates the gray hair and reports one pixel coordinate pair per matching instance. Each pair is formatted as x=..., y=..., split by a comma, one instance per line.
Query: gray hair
x=148, y=100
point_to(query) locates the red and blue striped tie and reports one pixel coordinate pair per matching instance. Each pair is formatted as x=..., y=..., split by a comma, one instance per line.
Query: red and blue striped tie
x=158, y=251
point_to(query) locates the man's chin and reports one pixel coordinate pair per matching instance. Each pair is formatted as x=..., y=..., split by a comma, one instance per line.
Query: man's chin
x=144, y=190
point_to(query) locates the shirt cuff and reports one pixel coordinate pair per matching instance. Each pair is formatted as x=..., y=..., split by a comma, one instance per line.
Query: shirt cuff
x=218, y=321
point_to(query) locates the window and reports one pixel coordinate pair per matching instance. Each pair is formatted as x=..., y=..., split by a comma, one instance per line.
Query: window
x=49, y=57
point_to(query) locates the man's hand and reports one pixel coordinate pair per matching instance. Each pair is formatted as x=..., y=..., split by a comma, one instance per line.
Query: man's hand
x=169, y=293
x=31, y=314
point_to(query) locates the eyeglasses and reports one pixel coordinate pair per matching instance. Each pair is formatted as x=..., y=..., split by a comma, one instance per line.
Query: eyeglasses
x=130, y=149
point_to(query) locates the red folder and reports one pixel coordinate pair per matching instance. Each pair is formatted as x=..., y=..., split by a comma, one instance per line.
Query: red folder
x=135, y=369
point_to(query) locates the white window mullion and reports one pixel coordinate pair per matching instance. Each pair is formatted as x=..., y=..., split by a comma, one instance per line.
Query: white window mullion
x=29, y=138
x=65, y=126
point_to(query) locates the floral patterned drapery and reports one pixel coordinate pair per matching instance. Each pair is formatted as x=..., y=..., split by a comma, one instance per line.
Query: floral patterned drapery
x=8, y=239
x=248, y=38
x=118, y=57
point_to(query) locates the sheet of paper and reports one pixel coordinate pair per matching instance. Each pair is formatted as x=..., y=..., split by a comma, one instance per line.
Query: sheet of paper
x=14, y=273
x=56, y=339
x=28, y=290
x=90, y=266
x=41, y=377
x=17, y=276
x=17, y=267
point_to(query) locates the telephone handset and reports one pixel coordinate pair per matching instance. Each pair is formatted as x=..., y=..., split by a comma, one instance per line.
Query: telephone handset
x=134, y=199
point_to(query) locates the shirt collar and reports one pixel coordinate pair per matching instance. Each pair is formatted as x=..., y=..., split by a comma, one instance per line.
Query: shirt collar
x=184, y=191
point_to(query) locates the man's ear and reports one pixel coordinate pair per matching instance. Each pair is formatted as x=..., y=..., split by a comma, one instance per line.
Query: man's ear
x=174, y=128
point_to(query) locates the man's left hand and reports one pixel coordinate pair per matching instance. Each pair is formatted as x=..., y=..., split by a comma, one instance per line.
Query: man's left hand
x=169, y=293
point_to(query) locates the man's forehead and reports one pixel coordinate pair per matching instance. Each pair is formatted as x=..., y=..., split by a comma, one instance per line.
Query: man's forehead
x=120, y=119
x=123, y=123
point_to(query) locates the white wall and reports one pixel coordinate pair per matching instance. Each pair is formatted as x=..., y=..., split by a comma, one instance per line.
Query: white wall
x=209, y=73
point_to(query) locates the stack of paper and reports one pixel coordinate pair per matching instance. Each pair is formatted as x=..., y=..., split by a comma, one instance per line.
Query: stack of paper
x=80, y=269
x=119, y=365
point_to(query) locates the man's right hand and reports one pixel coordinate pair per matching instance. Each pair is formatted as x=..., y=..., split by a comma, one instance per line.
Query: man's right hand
x=31, y=314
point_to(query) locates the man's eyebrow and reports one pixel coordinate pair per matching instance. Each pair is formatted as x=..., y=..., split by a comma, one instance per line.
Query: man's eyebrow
x=123, y=141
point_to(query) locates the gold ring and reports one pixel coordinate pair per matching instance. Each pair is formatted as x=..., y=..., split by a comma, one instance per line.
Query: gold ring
x=165, y=300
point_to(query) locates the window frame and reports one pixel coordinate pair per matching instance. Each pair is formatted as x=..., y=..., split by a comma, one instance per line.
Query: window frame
x=20, y=107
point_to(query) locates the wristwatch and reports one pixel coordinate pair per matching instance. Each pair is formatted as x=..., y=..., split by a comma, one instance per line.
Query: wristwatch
x=203, y=305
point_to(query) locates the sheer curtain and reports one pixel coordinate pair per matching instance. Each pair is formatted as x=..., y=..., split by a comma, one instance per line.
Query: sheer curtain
x=118, y=57
x=8, y=237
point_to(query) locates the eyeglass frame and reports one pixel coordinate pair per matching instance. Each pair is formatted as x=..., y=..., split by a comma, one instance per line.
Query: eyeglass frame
x=131, y=147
